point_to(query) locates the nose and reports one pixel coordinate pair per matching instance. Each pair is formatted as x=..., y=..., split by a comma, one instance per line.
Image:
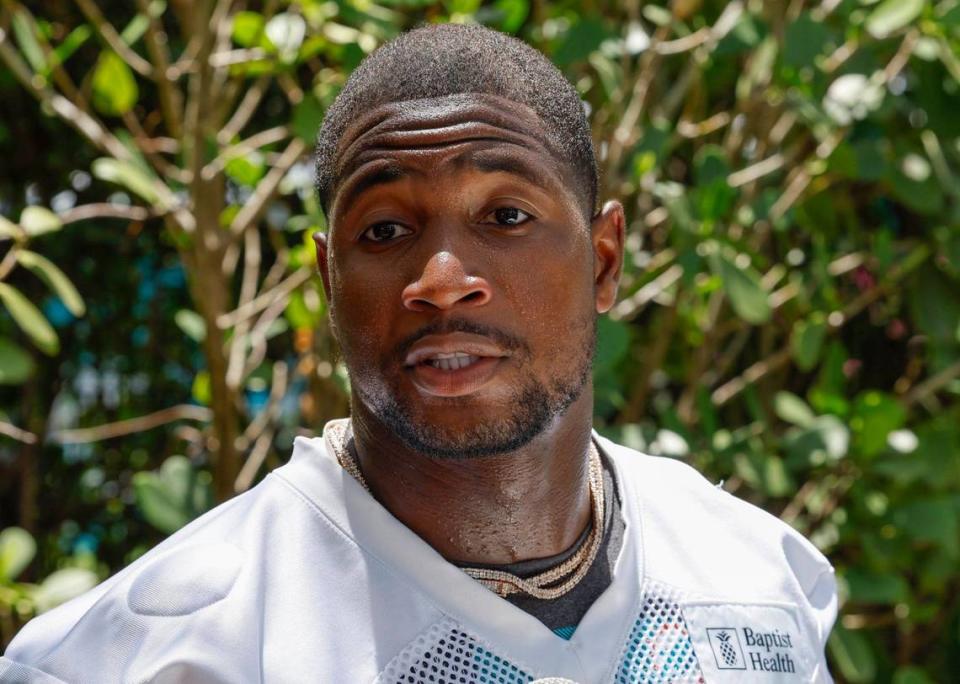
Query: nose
x=445, y=284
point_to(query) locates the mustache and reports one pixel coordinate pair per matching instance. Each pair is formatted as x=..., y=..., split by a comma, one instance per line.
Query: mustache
x=507, y=341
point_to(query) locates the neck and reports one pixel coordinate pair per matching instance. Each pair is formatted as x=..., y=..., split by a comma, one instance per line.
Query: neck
x=530, y=503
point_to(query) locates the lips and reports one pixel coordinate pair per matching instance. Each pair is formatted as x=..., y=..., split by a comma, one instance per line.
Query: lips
x=455, y=364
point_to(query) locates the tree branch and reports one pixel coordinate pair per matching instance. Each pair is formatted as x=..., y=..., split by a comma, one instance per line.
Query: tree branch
x=254, y=142
x=126, y=427
x=171, y=99
x=85, y=212
x=19, y=434
x=265, y=299
x=933, y=384
x=266, y=189
x=246, y=108
x=113, y=39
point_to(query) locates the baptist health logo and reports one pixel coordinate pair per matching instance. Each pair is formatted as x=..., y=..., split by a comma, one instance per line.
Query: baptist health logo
x=726, y=648
x=765, y=651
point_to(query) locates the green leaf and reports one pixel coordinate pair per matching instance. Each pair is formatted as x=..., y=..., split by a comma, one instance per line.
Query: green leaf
x=299, y=315
x=911, y=674
x=115, y=89
x=792, y=409
x=876, y=415
x=192, y=324
x=17, y=549
x=10, y=230
x=16, y=365
x=935, y=306
x=24, y=30
x=881, y=589
x=134, y=30
x=613, y=342
x=892, y=15
x=74, y=40
x=583, y=38
x=804, y=40
x=826, y=440
x=931, y=520
x=915, y=186
x=776, y=480
x=512, y=14
x=306, y=120
x=462, y=6
x=247, y=28
x=174, y=495
x=246, y=170
x=806, y=340
x=55, y=279
x=710, y=164
x=129, y=176
x=200, y=390
x=742, y=286
x=30, y=320
x=39, y=221
x=63, y=585
x=835, y=436
x=829, y=392
x=852, y=655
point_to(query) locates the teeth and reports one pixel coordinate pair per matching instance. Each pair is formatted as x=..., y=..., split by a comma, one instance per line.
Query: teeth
x=452, y=361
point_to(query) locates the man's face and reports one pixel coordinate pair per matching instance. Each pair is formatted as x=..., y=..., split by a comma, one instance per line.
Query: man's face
x=462, y=274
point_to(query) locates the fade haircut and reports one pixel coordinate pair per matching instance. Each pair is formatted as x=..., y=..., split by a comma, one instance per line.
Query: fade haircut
x=440, y=60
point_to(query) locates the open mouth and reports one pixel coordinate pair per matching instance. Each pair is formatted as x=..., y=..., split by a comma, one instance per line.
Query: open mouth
x=454, y=364
x=452, y=361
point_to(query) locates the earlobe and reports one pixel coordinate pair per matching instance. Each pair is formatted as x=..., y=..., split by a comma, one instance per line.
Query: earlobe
x=607, y=233
x=320, y=240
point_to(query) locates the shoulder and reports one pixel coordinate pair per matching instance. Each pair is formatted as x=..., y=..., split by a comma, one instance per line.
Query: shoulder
x=219, y=599
x=187, y=579
x=194, y=606
x=708, y=543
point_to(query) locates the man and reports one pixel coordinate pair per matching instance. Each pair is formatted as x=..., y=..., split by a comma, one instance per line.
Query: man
x=465, y=524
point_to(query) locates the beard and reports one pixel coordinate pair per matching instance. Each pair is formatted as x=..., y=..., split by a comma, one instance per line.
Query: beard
x=532, y=405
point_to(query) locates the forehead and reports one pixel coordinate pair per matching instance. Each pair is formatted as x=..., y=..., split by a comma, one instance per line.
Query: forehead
x=421, y=127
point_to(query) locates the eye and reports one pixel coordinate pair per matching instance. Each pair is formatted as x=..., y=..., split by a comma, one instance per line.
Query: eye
x=508, y=216
x=384, y=232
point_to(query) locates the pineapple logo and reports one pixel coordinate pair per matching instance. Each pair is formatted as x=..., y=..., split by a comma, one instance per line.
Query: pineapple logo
x=726, y=648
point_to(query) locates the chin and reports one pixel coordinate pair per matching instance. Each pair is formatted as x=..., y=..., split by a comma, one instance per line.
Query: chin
x=468, y=427
x=474, y=441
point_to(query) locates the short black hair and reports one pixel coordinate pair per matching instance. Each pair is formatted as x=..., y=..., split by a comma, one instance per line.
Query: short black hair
x=439, y=60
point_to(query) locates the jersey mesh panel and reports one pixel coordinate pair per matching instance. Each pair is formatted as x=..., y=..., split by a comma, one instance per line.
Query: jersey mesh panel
x=659, y=647
x=445, y=654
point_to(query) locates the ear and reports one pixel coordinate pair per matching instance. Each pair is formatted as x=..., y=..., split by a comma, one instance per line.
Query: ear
x=320, y=240
x=607, y=234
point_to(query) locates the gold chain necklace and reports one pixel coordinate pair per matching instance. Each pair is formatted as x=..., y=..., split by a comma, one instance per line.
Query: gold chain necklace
x=550, y=584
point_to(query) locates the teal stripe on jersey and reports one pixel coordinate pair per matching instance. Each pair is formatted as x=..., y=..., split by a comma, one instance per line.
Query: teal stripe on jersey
x=565, y=632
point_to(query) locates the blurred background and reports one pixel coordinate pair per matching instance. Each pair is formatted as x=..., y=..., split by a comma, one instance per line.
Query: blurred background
x=789, y=320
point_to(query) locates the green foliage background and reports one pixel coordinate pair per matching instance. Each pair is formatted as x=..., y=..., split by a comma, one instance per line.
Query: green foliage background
x=789, y=320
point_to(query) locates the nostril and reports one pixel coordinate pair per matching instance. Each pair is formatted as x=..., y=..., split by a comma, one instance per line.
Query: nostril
x=473, y=297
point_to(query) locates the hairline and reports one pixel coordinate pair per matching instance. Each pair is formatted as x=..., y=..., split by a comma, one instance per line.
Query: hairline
x=565, y=167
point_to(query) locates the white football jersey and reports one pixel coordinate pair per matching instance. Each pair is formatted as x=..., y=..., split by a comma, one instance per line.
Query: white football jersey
x=306, y=578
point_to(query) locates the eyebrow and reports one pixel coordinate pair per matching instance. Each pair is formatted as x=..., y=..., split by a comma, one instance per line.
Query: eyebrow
x=491, y=161
x=381, y=176
x=485, y=160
